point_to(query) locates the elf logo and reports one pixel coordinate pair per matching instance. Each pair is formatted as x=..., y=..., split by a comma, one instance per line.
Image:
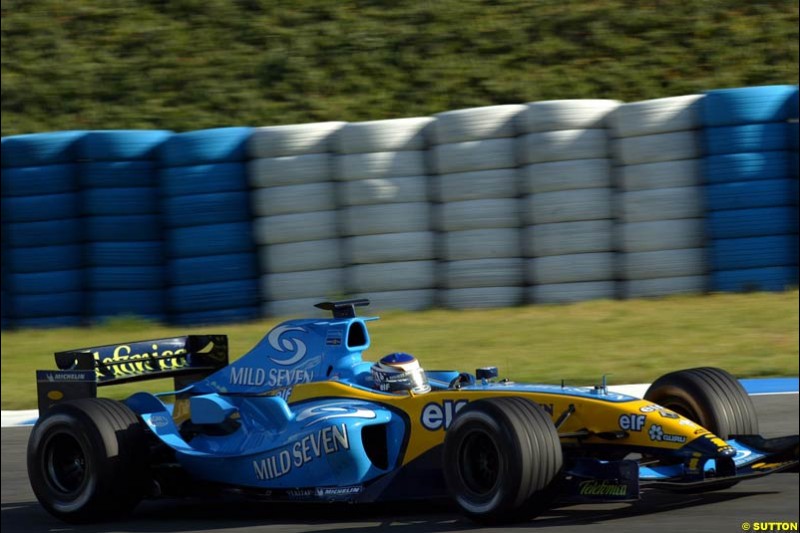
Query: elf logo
x=439, y=416
x=632, y=422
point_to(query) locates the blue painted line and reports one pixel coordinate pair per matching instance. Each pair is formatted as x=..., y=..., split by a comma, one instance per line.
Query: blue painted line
x=771, y=385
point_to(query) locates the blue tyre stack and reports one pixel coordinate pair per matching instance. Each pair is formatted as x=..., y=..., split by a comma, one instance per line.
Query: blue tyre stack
x=42, y=259
x=751, y=192
x=124, y=247
x=211, y=262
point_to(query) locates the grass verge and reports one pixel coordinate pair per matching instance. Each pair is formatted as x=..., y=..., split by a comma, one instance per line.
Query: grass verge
x=750, y=335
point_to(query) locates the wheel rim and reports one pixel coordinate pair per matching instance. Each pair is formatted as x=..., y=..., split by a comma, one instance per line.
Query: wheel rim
x=65, y=464
x=479, y=463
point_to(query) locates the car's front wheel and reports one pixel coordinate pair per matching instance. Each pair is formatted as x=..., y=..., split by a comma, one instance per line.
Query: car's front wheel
x=87, y=460
x=710, y=396
x=502, y=459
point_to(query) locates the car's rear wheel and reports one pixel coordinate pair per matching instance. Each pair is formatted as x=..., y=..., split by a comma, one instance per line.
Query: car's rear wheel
x=502, y=460
x=87, y=460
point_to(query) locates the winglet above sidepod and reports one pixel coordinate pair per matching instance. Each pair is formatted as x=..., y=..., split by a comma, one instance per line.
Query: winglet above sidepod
x=343, y=308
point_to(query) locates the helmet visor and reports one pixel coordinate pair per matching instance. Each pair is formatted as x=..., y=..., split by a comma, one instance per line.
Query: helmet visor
x=411, y=380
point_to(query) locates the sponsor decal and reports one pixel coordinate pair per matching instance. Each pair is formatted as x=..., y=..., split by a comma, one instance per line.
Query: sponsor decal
x=65, y=376
x=300, y=493
x=320, y=413
x=158, y=421
x=338, y=491
x=294, y=349
x=594, y=487
x=741, y=456
x=284, y=393
x=325, y=492
x=632, y=422
x=139, y=363
x=313, y=446
x=665, y=413
x=657, y=434
x=55, y=395
x=334, y=338
x=435, y=416
x=274, y=377
x=686, y=422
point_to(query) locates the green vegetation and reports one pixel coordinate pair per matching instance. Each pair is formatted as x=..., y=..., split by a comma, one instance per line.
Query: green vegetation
x=191, y=64
x=633, y=341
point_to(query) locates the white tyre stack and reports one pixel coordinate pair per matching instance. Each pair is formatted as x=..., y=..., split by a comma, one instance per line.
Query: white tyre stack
x=567, y=207
x=477, y=211
x=382, y=185
x=297, y=221
x=659, y=203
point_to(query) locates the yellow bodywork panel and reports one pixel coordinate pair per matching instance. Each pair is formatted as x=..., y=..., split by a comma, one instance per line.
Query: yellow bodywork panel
x=431, y=413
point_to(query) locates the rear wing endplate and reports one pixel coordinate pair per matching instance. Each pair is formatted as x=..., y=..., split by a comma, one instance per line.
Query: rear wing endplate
x=82, y=370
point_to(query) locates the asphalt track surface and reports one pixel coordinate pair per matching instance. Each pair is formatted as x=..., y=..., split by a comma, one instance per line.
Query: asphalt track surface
x=769, y=499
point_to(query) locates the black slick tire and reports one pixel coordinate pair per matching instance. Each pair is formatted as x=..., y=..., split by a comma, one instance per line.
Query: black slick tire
x=709, y=396
x=87, y=460
x=502, y=460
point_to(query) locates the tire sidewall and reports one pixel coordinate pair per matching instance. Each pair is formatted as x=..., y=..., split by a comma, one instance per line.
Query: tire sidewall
x=686, y=401
x=507, y=485
x=95, y=456
x=710, y=396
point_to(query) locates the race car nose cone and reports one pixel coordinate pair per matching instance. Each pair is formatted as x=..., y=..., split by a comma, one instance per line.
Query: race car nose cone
x=709, y=445
x=730, y=451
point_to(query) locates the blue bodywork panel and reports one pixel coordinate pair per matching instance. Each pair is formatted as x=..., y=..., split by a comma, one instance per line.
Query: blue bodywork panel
x=316, y=443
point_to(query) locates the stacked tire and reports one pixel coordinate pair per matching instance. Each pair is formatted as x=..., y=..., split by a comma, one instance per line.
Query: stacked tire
x=477, y=210
x=124, y=245
x=567, y=200
x=661, y=236
x=211, y=260
x=296, y=225
x=752, y=187
x=42, y=260
x=381, y=172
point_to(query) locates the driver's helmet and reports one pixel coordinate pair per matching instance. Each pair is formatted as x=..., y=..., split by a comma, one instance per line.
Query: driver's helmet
x=399, y=372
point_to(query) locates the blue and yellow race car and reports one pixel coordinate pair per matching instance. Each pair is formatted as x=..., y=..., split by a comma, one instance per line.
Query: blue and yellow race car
x=303, y=417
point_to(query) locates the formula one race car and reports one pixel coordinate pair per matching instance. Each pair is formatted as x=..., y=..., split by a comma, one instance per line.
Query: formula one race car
x=302, y=417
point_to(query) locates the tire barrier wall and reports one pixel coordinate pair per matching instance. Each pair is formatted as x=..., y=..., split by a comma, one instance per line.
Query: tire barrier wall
x=660, y=213
x=382, y=185
x=297, y=223
x=123, y=239
x=545, y=202
x=476, y=190
x=751, y=193
x=564, y=153
x=210, y=254
x=43, y=267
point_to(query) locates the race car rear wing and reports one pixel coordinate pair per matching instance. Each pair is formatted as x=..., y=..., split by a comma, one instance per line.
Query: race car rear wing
x=82, y=370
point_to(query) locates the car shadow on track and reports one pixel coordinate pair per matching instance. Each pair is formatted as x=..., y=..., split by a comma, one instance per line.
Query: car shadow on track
x=423, y=517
